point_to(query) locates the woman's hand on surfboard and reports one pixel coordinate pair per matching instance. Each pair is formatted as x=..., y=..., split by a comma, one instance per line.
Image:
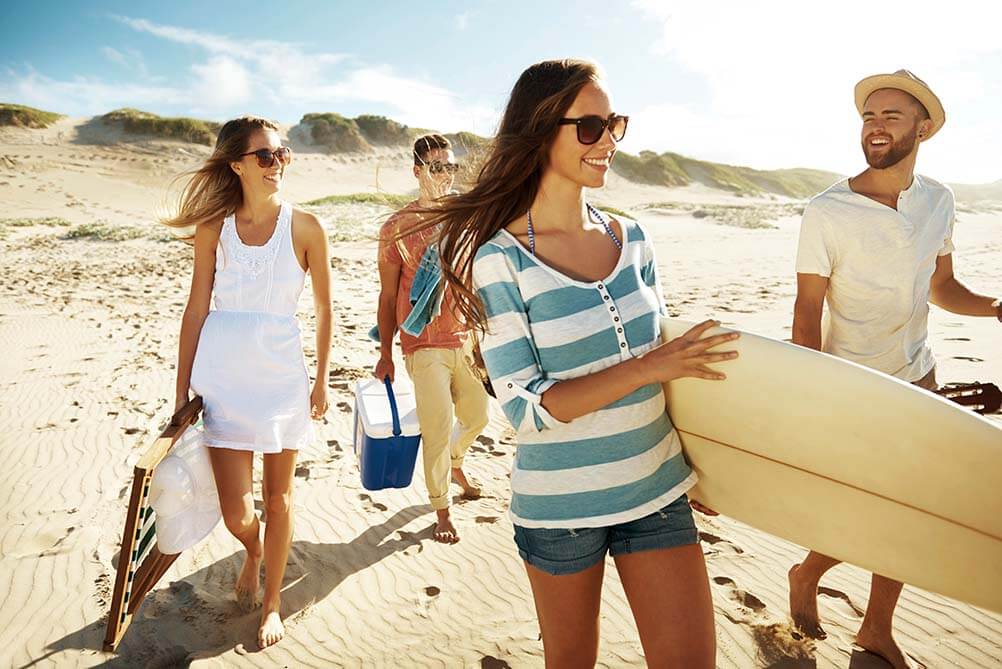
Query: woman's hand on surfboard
x=689, y=355
x=706, y=511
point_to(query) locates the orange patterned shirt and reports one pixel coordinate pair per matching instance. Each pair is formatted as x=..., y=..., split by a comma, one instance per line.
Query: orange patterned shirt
x=444, y=331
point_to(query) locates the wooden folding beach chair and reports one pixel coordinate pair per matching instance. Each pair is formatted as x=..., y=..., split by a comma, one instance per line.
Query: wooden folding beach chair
x=140, y=562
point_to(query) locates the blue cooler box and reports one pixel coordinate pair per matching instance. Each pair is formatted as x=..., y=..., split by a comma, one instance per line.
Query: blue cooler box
x=387, y=433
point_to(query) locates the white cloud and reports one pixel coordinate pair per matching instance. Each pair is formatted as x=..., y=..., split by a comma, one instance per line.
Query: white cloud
x=114, y=55
x=83, y=95
x=780, y=77
x=222, y=83
x=239, y=70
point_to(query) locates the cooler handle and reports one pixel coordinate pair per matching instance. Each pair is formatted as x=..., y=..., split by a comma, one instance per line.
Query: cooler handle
x=393, y=406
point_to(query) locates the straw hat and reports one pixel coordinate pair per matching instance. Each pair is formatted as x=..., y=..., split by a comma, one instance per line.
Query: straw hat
x=183, y=495
x=903, y=80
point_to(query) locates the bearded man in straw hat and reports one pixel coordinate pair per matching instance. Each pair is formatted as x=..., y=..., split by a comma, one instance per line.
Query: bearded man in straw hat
x=878, y=247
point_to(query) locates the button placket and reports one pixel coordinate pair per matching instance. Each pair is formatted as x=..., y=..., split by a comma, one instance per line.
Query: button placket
x=624, y=346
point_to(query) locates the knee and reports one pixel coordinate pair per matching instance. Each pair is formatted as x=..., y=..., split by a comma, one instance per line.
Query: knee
x=239, y=518
x=278, y=503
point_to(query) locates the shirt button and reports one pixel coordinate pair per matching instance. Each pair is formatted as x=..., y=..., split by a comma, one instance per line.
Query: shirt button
x=606, y=298
x=612, y=308
x=616, y=319
x=509, y=385
x=619, y=329
x=623, y=345
x=600, y=286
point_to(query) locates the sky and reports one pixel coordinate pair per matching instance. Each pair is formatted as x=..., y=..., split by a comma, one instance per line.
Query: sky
x=765, y=84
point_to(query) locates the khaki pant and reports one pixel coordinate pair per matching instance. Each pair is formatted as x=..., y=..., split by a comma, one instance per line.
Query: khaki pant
x=444, y=379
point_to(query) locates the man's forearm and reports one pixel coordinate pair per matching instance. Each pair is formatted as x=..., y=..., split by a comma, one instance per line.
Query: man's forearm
x=386, y=319
x=807, y=329
x=957, y=298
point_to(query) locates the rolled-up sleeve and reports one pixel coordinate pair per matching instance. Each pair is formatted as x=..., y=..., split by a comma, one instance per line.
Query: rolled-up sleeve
x=508, y=349
x=650, y=274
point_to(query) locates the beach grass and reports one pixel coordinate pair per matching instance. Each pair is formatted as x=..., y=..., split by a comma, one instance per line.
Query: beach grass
x=336, y=133
x=388, y=199
x=135, y=121
x=103, y=231
x=7, y=224
x=673, y=169
x=22, y=116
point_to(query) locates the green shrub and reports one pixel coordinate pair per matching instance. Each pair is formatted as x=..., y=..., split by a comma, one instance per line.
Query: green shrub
x=335, y=133
x=26, y=117
x=383, y=131
x=136, y=122
x=388, y=199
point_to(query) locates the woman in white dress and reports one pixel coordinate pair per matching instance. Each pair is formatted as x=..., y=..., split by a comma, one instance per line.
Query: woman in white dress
x=244, y=356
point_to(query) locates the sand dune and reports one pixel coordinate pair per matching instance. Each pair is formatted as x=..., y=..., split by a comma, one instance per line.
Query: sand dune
x=88, y=329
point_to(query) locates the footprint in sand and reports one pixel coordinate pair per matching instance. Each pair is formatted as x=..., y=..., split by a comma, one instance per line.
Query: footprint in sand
x=742, y=597
x=713, y=539
x=967, y=358
x=838, y=594
x=372, y=505
x=303, y=472
x=432, y=591
x=489, y=520
x=491, y=662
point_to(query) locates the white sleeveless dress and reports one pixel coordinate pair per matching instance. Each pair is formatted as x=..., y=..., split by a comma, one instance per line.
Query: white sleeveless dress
x=249, y=366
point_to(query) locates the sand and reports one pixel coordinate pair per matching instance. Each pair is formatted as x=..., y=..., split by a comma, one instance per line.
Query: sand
x=88, y=330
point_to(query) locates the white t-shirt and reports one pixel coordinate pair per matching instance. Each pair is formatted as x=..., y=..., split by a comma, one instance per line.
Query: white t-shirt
x=879, y=263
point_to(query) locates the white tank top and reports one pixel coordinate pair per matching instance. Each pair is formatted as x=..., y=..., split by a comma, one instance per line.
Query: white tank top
x=265, y=278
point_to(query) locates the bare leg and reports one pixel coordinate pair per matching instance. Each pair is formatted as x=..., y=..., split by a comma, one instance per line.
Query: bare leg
x=669, y=593
x=875, y=632
x=568, y=608
x=445, y=532
x=233, y=471
x=804, y=579
x=470, y=490
x=279, y=469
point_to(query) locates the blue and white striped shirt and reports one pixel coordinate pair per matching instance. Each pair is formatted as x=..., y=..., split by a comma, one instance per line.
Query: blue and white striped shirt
x=614, y=465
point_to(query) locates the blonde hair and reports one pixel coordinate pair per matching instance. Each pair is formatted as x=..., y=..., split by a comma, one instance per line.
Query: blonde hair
x=213, y=191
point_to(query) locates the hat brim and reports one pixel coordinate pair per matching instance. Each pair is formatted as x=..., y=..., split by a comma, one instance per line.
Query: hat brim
x=926, y=97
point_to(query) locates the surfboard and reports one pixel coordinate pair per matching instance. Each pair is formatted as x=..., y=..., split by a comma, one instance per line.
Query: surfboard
x=849, y=462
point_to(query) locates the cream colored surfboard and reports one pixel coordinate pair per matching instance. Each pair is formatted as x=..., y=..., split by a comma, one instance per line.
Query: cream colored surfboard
x=850, y=462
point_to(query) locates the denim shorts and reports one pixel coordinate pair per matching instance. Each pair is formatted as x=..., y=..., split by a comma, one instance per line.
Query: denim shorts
x=561, y=551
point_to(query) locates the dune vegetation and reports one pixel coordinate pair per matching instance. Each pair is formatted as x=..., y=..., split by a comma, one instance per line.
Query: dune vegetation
x=26, y=117
x=137, y=122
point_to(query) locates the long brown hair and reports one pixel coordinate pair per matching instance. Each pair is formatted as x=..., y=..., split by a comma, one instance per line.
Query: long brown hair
x=213, y=191
x=509, y=179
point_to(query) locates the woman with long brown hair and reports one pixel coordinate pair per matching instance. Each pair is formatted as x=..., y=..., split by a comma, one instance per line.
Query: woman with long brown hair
x=245, y=356
x=568, y=303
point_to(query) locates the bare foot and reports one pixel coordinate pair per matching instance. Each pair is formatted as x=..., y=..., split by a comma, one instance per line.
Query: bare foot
x=470, y=491
x=445, y=531
x=248, y=583
x=884, y=645
x=272, y=629
x=804, y=605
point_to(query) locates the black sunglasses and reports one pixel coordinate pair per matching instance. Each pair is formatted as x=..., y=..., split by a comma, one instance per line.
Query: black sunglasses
x=590, y=128
x=436, y=167
x=266, y=157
